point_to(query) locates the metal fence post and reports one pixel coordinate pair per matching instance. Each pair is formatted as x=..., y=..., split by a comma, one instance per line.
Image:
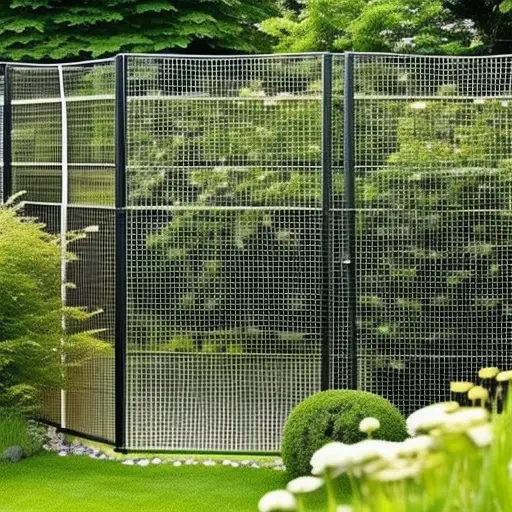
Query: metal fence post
x=120, y=204
x=7, y=137
x=326, y=218
x=349, y=261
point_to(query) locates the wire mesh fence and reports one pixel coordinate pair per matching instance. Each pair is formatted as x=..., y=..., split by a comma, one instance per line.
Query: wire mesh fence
x=250, y=230
x=433, y=149
x=62, y=147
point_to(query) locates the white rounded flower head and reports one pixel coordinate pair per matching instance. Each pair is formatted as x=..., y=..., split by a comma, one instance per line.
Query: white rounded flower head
x=398, y=473
x=478, y=393
x=460, y=386
x=371, y=449
x=344, y=508
x=481, y=435
x=275, y=501
x=418, y=444
x=332, y=456
x=504, y=376
x=304, y=484
x=463, y=419
x=429, y=418
x=369, y=425
x=488, y=373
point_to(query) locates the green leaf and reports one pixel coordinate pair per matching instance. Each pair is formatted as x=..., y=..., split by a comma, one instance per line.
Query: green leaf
x=19, y=25
x=154, y=6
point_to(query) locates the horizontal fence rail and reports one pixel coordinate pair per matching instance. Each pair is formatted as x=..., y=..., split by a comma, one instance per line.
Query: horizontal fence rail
x=254, y=229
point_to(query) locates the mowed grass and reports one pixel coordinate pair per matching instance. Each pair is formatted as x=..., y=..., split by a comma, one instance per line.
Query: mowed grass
x=51, y=483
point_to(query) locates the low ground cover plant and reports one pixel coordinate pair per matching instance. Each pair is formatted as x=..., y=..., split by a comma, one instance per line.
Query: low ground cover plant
x=19, y=437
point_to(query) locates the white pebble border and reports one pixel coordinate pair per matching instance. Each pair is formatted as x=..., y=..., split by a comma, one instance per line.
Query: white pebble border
x=56, y=443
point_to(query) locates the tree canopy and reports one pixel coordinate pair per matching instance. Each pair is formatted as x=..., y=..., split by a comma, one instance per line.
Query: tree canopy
x=492, y=18
x=46, y=30
x=415, y=26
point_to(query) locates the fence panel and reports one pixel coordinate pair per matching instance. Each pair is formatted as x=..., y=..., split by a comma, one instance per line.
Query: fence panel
x=239, y=271
x=63, y=158
x=433, y=150
x=224, y=248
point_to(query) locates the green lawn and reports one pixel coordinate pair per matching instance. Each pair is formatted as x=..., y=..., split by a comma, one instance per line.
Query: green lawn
x=79, y=484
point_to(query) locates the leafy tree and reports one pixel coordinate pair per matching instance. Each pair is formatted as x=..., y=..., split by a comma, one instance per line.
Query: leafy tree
x=31, y=335
x=492, y=18
x=418, y=26
x=56, y=30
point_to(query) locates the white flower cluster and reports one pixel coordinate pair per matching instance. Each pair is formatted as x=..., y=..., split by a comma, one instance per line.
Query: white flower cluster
x=387, y=461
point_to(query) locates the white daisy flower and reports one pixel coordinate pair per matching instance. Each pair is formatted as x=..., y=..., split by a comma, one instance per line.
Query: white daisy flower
x=415, y=445
x=369, y=425
x=504, y=376
x=461, y=420
x=369, y=449
x=333, y=456
x=481, y=435
x=429, y=417
x=304, y=484
x=398, y=473
x=275, y=501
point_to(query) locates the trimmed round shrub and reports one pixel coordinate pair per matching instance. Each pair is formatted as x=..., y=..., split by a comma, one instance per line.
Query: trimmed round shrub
x=335, y=416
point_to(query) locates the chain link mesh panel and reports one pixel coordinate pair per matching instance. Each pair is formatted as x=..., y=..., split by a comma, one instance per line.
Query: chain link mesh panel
x=433, y=169
x=224, y=250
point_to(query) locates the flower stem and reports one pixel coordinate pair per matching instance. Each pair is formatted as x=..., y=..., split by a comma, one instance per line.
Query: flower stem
x=331, y=499
x=300, y=503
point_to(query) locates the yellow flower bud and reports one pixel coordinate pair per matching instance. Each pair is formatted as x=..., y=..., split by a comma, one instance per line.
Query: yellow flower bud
x=460, y=386
x=488, y=373
x=478, y=393
x=504, y=376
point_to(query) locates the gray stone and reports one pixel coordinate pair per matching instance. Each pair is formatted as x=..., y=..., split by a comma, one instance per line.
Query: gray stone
x=63, y=453
x=13, y=453
x=143, y=462
x=177, y=463
x=209, y=463
x=156, y=460
x=128, y=462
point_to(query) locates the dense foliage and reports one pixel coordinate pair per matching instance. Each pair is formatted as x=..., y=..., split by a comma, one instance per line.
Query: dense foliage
x=31, y=335
x=45, y=30
x=415, y=26
x=335, y=416
x=492, y=19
